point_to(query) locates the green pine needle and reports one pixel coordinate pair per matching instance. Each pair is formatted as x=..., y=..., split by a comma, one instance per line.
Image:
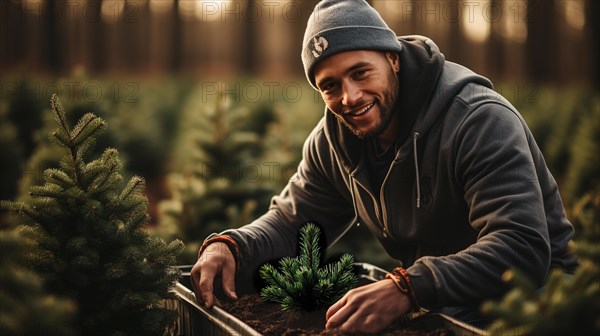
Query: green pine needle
x=300, y=282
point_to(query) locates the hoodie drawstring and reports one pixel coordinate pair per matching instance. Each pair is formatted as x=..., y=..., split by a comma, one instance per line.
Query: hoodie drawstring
x=352, y=187
x=349, y=225
x=415, y=136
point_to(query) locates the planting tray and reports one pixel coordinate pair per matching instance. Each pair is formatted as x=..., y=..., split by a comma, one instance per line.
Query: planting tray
x=195, y=319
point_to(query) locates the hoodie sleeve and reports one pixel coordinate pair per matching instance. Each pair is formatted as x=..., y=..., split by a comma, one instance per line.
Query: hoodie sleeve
x=312, y=194
x=495, y=166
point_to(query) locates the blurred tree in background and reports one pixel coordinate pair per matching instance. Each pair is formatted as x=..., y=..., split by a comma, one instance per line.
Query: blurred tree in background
x=221, y=185
x=12, y=155
x=567, y=303
x=27, y=309
x=566, y=126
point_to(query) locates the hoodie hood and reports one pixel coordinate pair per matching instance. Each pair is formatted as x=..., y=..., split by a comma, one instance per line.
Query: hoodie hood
x=427, y=84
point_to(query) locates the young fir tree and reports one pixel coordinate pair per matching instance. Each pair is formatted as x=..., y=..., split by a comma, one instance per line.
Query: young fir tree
x=91, y=242
x=26, y=308
x=225, y=185
x=301, y=282
x=567, y=305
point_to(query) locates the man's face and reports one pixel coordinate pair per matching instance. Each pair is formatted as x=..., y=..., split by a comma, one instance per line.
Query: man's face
x=360, y=88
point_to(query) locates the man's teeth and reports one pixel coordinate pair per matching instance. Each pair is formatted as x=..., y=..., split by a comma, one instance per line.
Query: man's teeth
x=363, y=110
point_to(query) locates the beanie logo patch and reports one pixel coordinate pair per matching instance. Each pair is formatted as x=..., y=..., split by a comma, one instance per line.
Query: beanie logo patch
x=319, y=46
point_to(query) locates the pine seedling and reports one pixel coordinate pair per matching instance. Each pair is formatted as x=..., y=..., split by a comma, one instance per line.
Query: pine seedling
x=91, y=242
x=300, y=283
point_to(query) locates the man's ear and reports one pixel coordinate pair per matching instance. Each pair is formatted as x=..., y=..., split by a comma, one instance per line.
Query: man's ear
x=394, y=59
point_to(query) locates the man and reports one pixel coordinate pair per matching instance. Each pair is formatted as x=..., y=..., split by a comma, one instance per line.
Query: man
x=442, y=170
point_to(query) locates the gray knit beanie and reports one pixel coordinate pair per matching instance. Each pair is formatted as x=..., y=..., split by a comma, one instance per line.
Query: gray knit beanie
x=342, y=25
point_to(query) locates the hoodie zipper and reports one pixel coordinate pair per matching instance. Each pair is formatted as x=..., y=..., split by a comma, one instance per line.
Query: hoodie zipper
x=377, y=212
x=386, y=231
x=382, y=194
x=382, y=214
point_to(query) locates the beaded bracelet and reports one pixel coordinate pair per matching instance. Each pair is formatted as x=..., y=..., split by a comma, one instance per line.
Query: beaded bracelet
x=403, y=277
x=402, y=281
x=231, y=244
x=396, y=280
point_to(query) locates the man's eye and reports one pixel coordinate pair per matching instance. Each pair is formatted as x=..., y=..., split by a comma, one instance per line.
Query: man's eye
x=329, y=87
x=359, y=74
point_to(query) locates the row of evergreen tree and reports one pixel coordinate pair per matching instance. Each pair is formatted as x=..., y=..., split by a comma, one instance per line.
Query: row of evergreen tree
x=202, y=157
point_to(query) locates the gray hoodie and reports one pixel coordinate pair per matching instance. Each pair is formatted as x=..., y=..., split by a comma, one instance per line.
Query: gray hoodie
x=467, y=196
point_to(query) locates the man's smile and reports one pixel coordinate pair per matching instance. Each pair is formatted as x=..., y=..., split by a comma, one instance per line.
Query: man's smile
x=359, y=113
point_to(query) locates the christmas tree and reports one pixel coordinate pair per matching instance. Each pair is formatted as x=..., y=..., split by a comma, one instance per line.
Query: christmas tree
x=222, y=185
x=568, y=304
x=91, y=245
x=301, y=282
x=42, y=153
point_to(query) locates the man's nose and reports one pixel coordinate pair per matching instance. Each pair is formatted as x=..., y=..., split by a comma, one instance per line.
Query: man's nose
x=352, y=94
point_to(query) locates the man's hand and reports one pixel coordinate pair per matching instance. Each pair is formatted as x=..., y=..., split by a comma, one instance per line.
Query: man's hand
x=215, y=259
x=368, y=309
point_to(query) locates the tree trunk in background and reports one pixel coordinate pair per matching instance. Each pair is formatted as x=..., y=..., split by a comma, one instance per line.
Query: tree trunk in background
x=592, y=31
x=249, y=59
x=495, y=44
x=455, y=50
x=12, y=37
x=541, y=57
x=131, y=28
x=176, y=39
x=97, y=56
x=52, y=43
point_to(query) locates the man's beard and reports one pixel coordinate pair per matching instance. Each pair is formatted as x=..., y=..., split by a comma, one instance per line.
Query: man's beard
x=386, y=109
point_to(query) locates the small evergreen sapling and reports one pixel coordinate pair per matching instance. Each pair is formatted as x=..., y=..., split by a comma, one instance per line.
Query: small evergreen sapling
x=301, y=283
x=91, y=245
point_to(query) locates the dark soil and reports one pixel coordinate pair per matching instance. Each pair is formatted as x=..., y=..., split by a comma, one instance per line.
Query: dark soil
x=268, y=319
